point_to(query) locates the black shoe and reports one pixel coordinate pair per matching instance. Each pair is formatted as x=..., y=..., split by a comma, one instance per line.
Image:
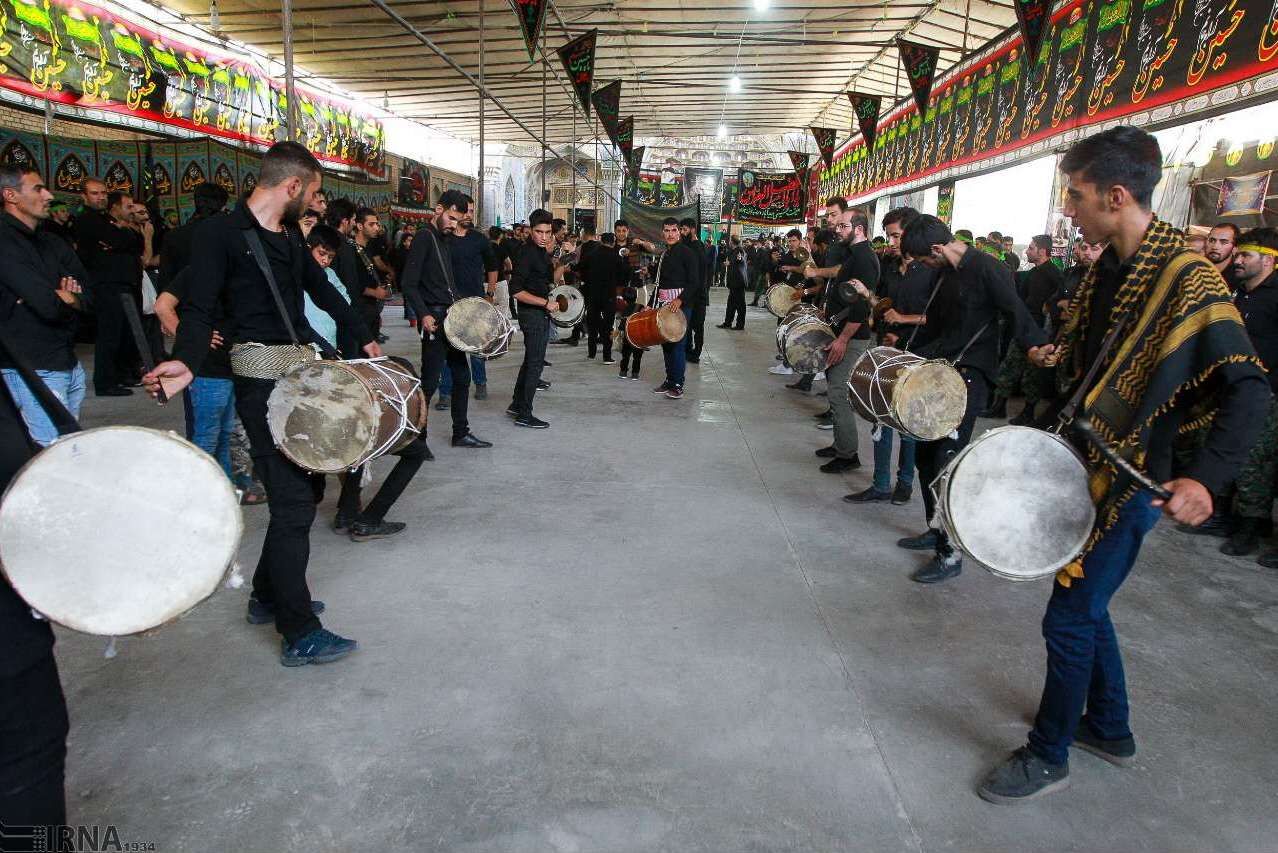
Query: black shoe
x=996, y=409
x=1244, y=540
x=723, y=326
x=1269, y=559
x=117, y=391
x=1121, y=752
x=442, y=404
x=513, y=410
x=634, y=377
x=828, y=413
x=260, y=614
x=543, y=385
x=738, y=328
x=469, y=440
x=609, y=360
x=827, y=452
x=319, y=646
x=481, y=392
x=342, y=523
x=427, y=455
x=531, y=422
x=545, y=363
x=902, y=494
x=590, y=355
x=838, y=466
x=662, y=388
x=870, y=495
x=801, y=385
x=1217, y=525
x=381, y=339
x=1025, y=418
x=938, y=569
x=1023, y=776
x=694, y=361
x=363, y=531
x=925, y=541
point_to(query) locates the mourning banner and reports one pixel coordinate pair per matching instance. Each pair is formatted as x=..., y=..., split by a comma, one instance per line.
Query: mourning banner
x=802, y=163
x=919, y=61
x=532, y=14
x=645, y=219
x=1034, y=17
x=578, y=58
x=825, y=137
x=626, y=137
x=866, y=109
x=769, y=198
x=607, y=101
x=706, y=186
x=1243, y=195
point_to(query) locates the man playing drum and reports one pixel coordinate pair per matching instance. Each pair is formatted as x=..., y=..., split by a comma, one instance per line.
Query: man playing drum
x=1158, y=324
x=679, y=285
x=983, y=287
x=230, y=259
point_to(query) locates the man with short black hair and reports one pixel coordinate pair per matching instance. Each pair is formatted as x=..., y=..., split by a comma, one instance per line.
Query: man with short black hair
x=475, y=268
x=697, y=321
x=1040, y=285
x=1219, y=249
x=530, y=284
x=111, y=250
x=679, y=285
x=737, y=262
x=603, y=273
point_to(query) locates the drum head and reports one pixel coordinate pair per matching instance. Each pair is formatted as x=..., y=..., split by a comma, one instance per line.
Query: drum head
x=780, y=298
x=672, y=325
x=930, y=400
x=1017, y=502
x=805, y=345
x=323, y=417
x=576, y=306
x=472, y=324
x=118, y=530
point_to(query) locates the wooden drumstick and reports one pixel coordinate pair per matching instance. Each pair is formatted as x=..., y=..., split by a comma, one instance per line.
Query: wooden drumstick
x=144, y=347
x=1085, y=428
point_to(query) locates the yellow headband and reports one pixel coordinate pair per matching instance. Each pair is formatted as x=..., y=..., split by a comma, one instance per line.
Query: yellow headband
x=1257, y=250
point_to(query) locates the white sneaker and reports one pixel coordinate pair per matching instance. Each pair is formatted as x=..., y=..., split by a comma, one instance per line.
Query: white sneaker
x=819, y=376
x=780, y=370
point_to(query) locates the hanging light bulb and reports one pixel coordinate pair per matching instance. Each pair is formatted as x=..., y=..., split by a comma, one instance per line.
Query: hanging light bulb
x=723, y=131
x=734, y=84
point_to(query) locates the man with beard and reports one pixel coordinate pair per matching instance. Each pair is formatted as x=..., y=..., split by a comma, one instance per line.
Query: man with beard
x=1085, y=254
x=697, y=323
x=111, y=249
x=1219, y=249
x=238, y=262
x=1042, y=281
x=680, y=280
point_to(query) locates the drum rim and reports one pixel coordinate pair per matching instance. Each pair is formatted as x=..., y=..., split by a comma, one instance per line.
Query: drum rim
x=204, y=459
x=911, y=371
x=369, y=445
x=774, y=288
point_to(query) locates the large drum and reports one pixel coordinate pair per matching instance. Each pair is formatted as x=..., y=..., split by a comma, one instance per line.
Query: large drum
x=780, y=298
x=802, y=340
x=333, y=416
x=914, y=396
x=477, y=326
x=118, y=530
x=653, y=326
x=1016, y=501
x=572, y=306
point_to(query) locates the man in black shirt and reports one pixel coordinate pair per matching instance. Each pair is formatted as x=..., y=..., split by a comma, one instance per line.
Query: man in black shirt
x=984, y=289
x=1042, y=282
x=736, y=267
x=225, y=270
x=1009, y=255
x=59, y=222
x=1219, y=249
x=1180, y=353
x=679, y=284
x=697, y=321
x=604, y=273
x=112, y=254
x=530, y=285
x=43, y=290
x=475, y=269
x=1085, y=254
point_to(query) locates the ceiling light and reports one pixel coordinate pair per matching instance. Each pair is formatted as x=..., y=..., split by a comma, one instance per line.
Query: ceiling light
x=734, y=84
x=762, y=5
x=723, y=131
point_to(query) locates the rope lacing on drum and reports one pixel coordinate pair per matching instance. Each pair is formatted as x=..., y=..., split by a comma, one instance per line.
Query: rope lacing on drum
x=398, y=403
x=876, y=388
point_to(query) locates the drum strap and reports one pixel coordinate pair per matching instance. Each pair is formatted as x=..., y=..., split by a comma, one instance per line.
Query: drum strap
x=259, y=255
x=968, y=345
x=61, y=417
x=443, y=267
x=1066, y=415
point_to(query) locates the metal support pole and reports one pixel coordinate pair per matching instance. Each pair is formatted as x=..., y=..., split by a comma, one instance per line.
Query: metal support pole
x=542, y=201
x=479, y=178
x=572, y=210
x=290, y=92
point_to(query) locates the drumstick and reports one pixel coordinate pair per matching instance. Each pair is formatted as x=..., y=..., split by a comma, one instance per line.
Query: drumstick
x=1085, y=428
x=139, y=338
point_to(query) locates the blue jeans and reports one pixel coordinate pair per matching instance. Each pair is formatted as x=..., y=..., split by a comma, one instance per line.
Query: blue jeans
x=66, y=385
x=677, y=354
x=1084, y=668
x=883, y=461
x=478, y=376
x=210, y=419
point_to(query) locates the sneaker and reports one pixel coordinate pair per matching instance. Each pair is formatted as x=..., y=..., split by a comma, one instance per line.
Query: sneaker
x=622, y=375
x=902, y=494
x=481, y=392
x=610, y=361
x=838, y=466
x=364, y=531
x=1120, y=753
x=635, y=376
x=513, y=410
x=260, y=614
x=938, y=569
x=319, y=646
x=1269, y=559
x=826, y=452
x=342, y=523
x=444, y=402
x=925, y=541
x=545, y=363
x=694, y=361
x=1023, y=776
x=826, y=415
x=675, y=393
x=870, y=495
x=1244, y=540
x=780, y=370
x=543, y=385
x=662, y=388
x=826, y=425
x=531, y=422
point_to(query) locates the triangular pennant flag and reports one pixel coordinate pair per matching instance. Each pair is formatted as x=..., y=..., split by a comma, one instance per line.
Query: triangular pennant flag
x=532, y=13
x=825, y=139
x=578, y=57
x=634, y=165
x=626, y=137
x=1034, y=16
x=607, y=103
x=866, y=108
x=801, y=160
x=919, y=61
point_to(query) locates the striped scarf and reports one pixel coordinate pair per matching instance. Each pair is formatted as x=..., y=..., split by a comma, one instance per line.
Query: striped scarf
x=1182, y=327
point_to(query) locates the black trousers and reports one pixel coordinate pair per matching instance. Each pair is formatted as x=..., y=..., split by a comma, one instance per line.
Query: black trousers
x=631, y=356
x=736, y=308
x=112, y=348
x=33, y=747
x=697, y=332
x=599, y=320
x=436, y=351
x=280, y=578
x=533, y=323
x=931, y=457
x=410, y=459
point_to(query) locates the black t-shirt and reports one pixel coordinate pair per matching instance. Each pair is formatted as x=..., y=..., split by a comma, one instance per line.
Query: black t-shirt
x=1259, y=310
x=111, y=253
x=472, y=257
x=1041, y=284
x=861, y=264
x=217, y=365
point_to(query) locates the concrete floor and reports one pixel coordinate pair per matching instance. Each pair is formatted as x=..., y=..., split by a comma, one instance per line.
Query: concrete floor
x=655, y=627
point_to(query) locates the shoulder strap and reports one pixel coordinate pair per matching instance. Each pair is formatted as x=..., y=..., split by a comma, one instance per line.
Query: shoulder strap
x=259, y=255
x=443, y=267
x=61, y=417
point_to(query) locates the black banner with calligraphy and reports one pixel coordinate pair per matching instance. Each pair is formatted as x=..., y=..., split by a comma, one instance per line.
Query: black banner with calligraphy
x=826, y=138
x=578, y=58
x=626, y=137
x=706, y=186
x=532, y=14
x=866, y=109
x=634, y=166
x=802, y=163
x=1156, y=63
x=1033, y=18
x=607, y=101
x=919, y=62
x=768, y=198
